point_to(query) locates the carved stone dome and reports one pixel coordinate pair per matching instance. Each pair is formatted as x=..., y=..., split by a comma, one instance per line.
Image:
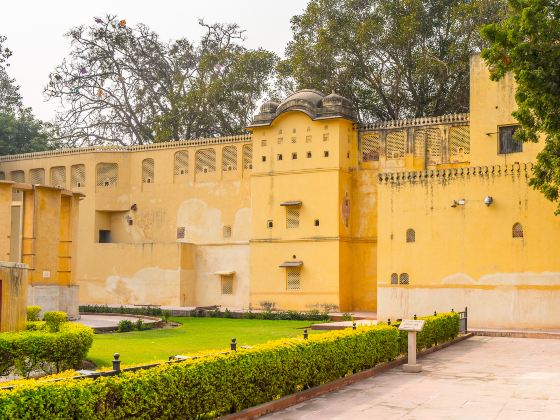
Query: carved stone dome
x=268, y=107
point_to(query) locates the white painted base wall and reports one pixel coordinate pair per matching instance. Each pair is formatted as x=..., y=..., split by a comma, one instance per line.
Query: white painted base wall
x=499, y=307
x=54, y=298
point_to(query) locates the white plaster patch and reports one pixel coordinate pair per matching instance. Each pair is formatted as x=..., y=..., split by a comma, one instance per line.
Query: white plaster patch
x=203, y=224
x=506, y=279
x=242, y=225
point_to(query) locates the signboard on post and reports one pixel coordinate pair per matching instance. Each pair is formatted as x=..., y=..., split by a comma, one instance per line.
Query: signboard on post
x=412, y=326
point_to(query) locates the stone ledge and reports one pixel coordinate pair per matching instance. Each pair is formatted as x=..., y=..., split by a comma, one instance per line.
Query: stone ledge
x=518, y=333
x=293, y=399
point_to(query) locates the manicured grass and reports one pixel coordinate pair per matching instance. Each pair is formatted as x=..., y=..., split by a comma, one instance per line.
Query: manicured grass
x=194, y=335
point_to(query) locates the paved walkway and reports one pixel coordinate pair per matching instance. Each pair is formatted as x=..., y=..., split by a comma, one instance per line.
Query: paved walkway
x=103, y=321
x=479, y=378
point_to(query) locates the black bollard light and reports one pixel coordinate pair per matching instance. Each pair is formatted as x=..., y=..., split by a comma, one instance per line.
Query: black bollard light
x=388, y=321
x=415, y=316
x=305, y=335
x=233, y=344
x=116, y=362
x=435, y=313
x=353, y=325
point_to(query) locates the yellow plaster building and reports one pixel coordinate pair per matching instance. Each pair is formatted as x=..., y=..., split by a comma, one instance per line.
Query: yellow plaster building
x=312, y=210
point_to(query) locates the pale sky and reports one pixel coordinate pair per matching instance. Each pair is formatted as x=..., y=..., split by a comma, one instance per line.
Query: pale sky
x=35, y=30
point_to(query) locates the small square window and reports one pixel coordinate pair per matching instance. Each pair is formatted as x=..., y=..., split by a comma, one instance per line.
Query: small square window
x=293, y=278
x=308, y=139
x=104, y=236
x=280, y=140
x=279, y=156
x=348, y=155
x=263, y=143
x=506, y=142
x=263, y=158
x=227, y=285
x=181, y=232
x=326, y=137
x=316, y=222
x=326, y=153
x=269, y=224
x=294, y=156
x=308, y=155
x=227, y=231
x=293, y=140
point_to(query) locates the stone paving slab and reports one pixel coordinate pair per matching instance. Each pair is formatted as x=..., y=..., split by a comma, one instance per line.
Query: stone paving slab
x=479, y=378
x=104, y=321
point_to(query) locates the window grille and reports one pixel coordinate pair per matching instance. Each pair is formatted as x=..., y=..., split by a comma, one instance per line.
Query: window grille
x=396, y=143
x=309, y=155
x=227, y=285
x=248, y=157
x=181, y=163
x=2, y=176
x=410, y=235
x=433, y=145
x=506, y=142
x=17, y=176
x=181, y=232
x=371, y=146
x=227, y=231
x=229, y=158
x=517, y=231
x=459, y=139
x=403, y=278
x=294, y=156
x=77, y=176
x=106, y=175
x=263, y=143
x=293, y=130
x=326, y=137
x=279, y=156
x=308, y=139
x=280, y=140
x=58, y=177
x=293, y=278
x=205, y=161
x=420, y=143
x=269, y=224
x=148, y=173
x=292, y=217
x=37, y=176
x=326, y=153
x=294, y=139
x=394, y=278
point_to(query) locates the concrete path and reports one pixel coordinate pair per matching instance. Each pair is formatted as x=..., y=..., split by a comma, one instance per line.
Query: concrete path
x=479, y=378
x=103, y=321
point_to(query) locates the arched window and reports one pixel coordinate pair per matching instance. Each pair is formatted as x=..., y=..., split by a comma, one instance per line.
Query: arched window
x=181, y=166
x=107, y=174
x=37, y=176
x=394, y=278
x=248, y=157
x=148, y=174
x=517, y=230
x=17, y=176
x=58, y=176
x=205, y=161
x=410, y=235
x=229, y=158
x=403, y=278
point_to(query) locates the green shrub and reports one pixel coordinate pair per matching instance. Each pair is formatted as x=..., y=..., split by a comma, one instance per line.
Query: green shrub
x=125, y=325
x=139, y=325
x=166, y=316
x=104, y=309
x=35, y=325
x=210, y=386
x=27, y=351
x=54, y=320
x=33, y=313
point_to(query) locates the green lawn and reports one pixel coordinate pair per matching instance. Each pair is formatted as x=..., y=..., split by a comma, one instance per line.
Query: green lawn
x=194, y=335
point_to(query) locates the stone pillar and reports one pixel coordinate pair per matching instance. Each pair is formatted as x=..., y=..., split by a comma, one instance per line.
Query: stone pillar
x=13, y=296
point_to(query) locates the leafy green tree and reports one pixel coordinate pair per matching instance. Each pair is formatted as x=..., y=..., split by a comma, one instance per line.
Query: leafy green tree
x=20, y=132
x=394, y=59
x=527, y=44
x=124, y=85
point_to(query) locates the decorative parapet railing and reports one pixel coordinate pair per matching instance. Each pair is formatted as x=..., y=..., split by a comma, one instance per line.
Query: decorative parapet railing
x=415, y=122
x=452, y=173
x=136, y=148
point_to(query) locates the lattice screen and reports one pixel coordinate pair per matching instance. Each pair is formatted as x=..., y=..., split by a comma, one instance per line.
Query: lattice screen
x=517, y=231
x=148, y=173
x=37, y=176
x=326, y=137
x=293, y=278
x=396, y=144
x=292, y=217
x=2, y=176
x=181, y=232
x=181, y=165
x=410, y=235
x=248, y=156
x=227, y=285
x=308, y=139
x=394, y=278
x=58, y=176
x=420, y=143
x=459, y=139
x=403, y=278
x=227, y=231
x=17, y=176
x=107, y=174
x=229, y=158
x=205, y=160
x=433, y=144
x=371, y=146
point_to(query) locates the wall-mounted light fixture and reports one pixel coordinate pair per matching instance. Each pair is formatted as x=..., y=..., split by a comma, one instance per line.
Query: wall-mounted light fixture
x=460, y=202
x=488, y=200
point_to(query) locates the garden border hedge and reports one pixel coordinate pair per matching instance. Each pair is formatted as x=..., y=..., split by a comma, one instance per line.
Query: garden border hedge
x=219, y=384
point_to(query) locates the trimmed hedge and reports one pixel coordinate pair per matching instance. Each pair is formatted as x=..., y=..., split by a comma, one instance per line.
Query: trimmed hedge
x=40, y=350
x=209, y=386
x=216, y=385
x=104, y=309
x=437, y=329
